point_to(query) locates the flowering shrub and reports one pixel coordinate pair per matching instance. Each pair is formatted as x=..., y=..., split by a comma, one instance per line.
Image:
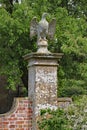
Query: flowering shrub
x=53, y=120
x=77, y=114
x=72, y=118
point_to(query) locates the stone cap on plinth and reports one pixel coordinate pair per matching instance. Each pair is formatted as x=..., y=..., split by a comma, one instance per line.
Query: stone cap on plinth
x=43, y=56
x=47, y=59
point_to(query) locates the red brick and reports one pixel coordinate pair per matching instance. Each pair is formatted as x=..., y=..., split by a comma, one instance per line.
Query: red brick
x=20, y=119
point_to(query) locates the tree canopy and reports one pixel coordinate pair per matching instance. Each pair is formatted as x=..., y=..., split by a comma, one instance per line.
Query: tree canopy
x=70, y=39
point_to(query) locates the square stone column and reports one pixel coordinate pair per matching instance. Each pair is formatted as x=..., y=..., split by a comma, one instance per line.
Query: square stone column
x=42, y=79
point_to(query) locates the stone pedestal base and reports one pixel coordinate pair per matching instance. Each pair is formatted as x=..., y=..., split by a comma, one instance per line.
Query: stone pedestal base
x=42, y=46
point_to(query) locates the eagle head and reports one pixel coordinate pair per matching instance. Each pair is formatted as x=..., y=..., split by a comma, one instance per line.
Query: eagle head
x=44, y=15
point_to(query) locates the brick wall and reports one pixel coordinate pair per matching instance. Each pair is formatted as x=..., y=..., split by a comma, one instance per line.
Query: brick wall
x=19, y=117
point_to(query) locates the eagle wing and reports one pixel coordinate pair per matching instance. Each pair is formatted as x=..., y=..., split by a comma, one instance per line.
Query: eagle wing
x=33, y=27
x=52, y=27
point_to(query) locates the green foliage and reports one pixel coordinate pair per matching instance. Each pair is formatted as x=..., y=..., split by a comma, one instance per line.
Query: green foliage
x=72, y=91
x=14, y=43
x=77, y=113
x=74, y=117
x=53, y=120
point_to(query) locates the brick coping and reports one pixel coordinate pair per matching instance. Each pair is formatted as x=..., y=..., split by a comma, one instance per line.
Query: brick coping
x=64, y=99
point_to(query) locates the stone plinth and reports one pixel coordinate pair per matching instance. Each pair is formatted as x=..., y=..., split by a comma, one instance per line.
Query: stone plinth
x=42, y=80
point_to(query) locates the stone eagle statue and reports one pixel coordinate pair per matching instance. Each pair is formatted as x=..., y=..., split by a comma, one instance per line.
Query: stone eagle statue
x=42, y=29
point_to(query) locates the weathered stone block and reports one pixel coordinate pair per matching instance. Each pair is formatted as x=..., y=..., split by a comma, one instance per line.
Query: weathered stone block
x=42, y=80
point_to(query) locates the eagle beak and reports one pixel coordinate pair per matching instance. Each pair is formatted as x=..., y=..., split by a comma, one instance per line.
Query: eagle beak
x=46, y=14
